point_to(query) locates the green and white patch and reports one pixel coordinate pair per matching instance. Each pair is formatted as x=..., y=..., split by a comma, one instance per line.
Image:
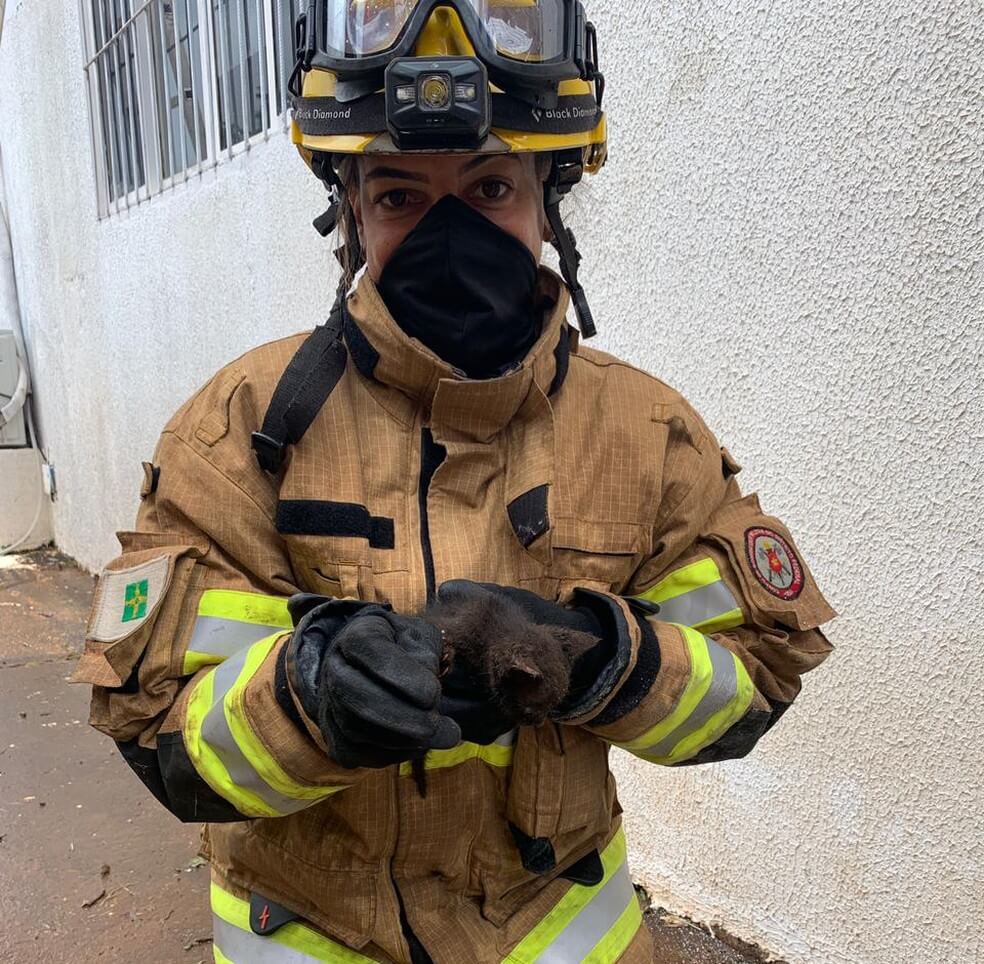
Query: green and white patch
x=125, y=598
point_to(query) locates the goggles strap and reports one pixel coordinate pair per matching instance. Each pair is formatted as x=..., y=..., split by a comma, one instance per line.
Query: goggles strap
x=566, y=170
x=304, y=50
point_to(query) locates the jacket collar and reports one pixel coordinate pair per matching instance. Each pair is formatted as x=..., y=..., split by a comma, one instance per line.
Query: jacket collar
x=476, y=409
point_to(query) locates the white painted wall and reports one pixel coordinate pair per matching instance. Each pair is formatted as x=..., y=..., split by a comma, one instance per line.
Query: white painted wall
x=789, y=230
x=25, y=517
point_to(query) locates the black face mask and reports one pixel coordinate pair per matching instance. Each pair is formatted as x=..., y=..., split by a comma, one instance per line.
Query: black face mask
x=465, y=288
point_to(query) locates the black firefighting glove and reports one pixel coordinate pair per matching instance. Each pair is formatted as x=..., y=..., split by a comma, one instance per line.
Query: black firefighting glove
x=467, y=699
x=369, y=678
x=596, y=671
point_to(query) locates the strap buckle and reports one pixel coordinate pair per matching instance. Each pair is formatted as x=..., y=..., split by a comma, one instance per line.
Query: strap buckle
x=269, y=452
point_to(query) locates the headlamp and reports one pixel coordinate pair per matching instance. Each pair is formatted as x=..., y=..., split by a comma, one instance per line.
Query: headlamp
x=435, y=92
x=437, y=103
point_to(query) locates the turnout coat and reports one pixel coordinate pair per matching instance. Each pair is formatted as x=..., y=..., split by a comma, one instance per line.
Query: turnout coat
x=572, y=471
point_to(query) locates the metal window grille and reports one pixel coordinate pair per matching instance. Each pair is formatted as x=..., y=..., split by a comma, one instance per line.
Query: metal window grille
x=175, y=86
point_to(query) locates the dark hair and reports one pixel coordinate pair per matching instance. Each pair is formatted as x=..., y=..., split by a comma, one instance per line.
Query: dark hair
x=349, y=251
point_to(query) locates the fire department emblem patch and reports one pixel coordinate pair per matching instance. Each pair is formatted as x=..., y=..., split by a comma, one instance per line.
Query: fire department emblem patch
x=774, y=563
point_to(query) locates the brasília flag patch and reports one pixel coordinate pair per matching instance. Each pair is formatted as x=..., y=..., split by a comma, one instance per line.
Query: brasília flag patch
x=126, y=597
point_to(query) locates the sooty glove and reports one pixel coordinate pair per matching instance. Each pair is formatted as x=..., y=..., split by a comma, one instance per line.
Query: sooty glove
x=468, y=699
x=369, y=678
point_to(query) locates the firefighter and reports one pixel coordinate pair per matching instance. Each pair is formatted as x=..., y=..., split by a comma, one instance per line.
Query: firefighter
x=260, y=650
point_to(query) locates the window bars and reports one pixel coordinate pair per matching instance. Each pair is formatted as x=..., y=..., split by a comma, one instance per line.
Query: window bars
x=175, y=86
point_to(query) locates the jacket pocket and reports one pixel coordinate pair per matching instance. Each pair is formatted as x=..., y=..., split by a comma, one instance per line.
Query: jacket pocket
x=774, y=579
x=596, y=554
x=560, y=804
x=140, y=597
x=304, y=861
x=333, y=567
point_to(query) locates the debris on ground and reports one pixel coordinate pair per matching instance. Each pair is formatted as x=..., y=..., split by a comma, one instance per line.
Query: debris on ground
x=92, y=901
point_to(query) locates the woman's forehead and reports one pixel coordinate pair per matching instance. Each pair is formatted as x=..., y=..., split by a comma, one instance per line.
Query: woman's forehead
x=426, y=166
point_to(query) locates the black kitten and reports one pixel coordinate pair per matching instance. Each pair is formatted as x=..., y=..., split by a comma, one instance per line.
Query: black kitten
x=527, y=668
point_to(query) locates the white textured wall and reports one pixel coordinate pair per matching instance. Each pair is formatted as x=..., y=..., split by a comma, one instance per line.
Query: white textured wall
x=789, y=230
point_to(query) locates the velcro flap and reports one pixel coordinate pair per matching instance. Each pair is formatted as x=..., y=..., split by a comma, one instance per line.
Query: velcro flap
x=607, y=538
x=126, y=598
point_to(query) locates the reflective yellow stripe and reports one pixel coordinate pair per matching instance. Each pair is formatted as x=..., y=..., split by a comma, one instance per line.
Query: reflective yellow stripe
x=229, y=620
x=718, y=624
x=241, y=946
x=717, y=695
x=700, y=573
x=207, y=762
x=567, y=932
x=497, y=754
x=194, y=661
x=697, y=686
x=229, y=755
x=697, y=596
x=245, y=607
x=250, y=744
x=716, y=726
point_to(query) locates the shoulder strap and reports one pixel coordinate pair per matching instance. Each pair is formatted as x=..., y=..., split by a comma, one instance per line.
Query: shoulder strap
x=303, y=389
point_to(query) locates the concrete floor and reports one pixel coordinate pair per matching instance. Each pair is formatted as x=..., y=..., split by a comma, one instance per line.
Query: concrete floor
x=92, y=868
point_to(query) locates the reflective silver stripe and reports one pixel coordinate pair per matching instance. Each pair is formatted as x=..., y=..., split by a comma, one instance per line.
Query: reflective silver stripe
x=225, y=637
x=216, y=732
x=506, y=739
x=723, y=688
x=698, y=605
x=595, y=920
x=245, y=947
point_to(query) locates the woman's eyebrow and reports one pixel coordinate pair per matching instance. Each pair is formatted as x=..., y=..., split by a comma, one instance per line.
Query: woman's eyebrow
x=397, y=173
x=485, y=158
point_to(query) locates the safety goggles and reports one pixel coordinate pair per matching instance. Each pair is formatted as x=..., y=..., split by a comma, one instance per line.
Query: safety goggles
x=524, y=43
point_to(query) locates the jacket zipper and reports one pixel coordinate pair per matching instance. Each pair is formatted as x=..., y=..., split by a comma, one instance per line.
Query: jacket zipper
x=431, y=456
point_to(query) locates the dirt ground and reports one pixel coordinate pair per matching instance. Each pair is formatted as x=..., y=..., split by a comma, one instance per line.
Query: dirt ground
x=92, y=868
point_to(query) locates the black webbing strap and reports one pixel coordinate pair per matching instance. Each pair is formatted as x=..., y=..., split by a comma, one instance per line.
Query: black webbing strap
x=566, y=171
x=303, y=389
x=325, y=116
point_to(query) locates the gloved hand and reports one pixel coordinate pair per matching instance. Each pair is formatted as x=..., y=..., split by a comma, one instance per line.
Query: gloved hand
x=467, y=699
x=369, y=678
x=595, y=615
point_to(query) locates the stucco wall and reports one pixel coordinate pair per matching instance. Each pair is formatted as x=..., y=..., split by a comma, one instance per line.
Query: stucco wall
x=790, y=231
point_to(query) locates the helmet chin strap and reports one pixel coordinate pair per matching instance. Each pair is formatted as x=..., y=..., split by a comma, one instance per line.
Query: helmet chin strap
x=325, y=223
x=567, y=170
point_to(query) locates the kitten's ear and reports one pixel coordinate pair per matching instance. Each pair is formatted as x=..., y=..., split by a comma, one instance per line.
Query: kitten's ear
x=575, y=643
x=521, y=685
x=523, y=667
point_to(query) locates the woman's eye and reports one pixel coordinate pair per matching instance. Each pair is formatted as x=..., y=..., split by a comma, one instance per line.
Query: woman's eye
x=394, y=199
x=493, y=189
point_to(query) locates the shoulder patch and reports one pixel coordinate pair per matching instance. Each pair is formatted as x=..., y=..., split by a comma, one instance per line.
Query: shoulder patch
x=126, y=597
x=773, y=562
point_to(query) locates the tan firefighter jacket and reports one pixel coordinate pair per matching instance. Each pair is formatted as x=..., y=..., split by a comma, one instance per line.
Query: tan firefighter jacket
x=573, y=470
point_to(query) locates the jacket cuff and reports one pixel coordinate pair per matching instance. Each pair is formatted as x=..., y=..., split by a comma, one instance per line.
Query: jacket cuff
x=246, y=747
x=621, y=627
x=317, y=619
